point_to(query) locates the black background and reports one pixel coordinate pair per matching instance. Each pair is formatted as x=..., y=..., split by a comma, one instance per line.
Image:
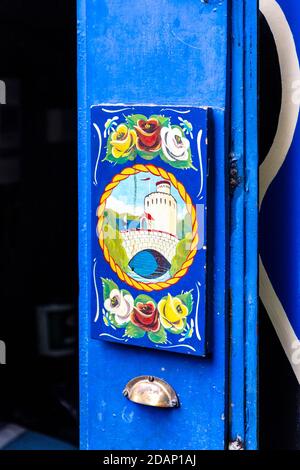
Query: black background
x=38, y=213
x=38, y=228
x=279, y=394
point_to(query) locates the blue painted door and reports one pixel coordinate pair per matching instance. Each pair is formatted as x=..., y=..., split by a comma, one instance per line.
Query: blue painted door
x=279, y=171
x=174, y=53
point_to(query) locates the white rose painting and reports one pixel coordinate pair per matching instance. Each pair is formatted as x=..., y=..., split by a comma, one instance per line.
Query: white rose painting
x=174, y=145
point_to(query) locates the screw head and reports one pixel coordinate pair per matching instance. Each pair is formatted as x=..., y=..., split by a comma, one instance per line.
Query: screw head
x=236, y=445
x=174, y=403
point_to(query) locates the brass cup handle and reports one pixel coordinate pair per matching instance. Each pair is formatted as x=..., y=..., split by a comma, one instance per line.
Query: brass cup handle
x=151, y=391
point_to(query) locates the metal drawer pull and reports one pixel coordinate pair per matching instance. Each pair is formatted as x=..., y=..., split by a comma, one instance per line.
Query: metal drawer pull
x=151, y=391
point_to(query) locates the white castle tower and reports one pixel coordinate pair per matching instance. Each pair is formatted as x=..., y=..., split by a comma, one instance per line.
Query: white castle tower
x=161, y=209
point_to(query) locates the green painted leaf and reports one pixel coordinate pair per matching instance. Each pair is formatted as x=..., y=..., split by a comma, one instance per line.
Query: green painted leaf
x=133, y=154
x=108, y=148
x=187, y=299
x=113, y=322
x=143, y=298
x=184, y=165
x=133, y=119
x=163, y=120
x=133, y=331
x=110, y=158
x=177, y=331
x=147, y=155
x=125, y=292
x=160, y=337
x=108, y=286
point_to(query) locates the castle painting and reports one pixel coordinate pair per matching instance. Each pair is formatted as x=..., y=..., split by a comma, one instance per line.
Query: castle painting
x=150, y=238
x=148, y=213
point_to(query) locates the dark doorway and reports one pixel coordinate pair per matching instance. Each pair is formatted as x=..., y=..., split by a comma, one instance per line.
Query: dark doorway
x=38, y=212
x=279, y=414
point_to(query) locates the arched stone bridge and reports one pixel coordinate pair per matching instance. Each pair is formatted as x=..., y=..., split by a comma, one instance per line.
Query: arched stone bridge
x=135, y=241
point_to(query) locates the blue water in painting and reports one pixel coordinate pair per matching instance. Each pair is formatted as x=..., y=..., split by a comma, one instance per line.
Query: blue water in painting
x=136, y=277
x=149, y=264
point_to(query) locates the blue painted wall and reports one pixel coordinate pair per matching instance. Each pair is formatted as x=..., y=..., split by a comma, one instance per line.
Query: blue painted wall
x=162, y=52
x=243, y=327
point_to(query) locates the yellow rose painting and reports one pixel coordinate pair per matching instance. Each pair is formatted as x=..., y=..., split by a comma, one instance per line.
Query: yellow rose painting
x=142, y=315
x=173, y=313
x=122, y=141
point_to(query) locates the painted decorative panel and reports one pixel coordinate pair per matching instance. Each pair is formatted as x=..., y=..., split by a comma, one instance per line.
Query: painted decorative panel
x=149, y=170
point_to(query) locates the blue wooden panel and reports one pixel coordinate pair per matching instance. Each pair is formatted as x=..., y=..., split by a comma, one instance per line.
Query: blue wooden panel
x=151, y=52
x=251, y=226
x=171, y=52
x=243, y=226
x=237, y=253
x=279, y=189
x=149, y=167
x=108, y=420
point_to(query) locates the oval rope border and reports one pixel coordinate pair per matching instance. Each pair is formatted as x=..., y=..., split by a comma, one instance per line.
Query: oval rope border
x=190, y=208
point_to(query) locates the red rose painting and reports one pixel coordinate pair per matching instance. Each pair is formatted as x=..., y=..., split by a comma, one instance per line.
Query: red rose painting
x=146, y=316
x=148, y=135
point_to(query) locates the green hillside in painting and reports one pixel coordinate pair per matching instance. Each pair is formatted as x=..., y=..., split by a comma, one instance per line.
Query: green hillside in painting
x=115, y=222
x=115, y=219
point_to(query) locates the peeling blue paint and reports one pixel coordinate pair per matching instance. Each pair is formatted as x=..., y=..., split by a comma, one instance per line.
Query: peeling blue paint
x=165, y=51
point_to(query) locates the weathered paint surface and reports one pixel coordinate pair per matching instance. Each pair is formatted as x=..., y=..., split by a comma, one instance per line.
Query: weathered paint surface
x=279, y=188
x=166, y=51
x=243, y=230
